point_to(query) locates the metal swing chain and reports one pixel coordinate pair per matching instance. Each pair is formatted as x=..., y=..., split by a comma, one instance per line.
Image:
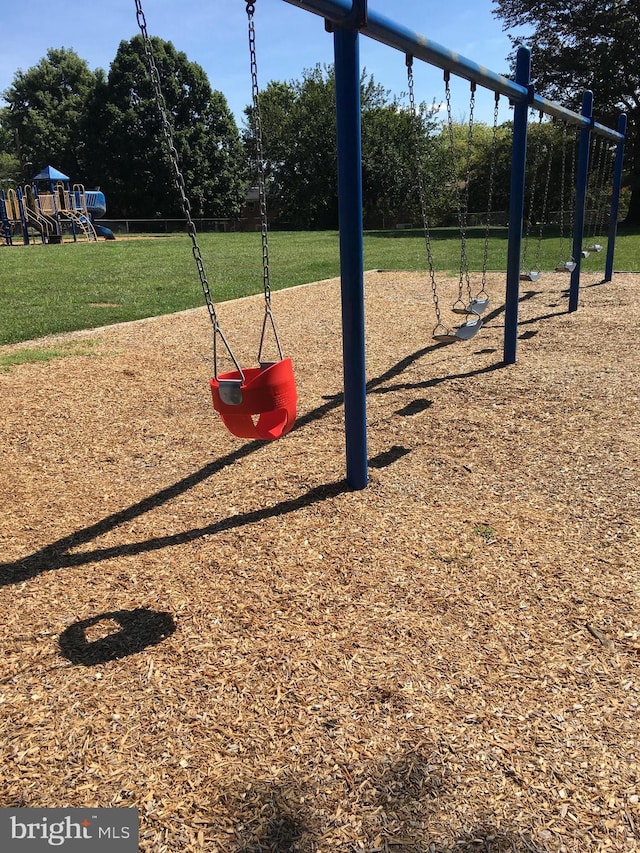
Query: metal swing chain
x=464, y=262
x=597, y=159
x=574, y=152
x=562, y=188
x=545, y=203
x=606, y=183
x=537, y=160
x=563, y=172
x=262, y=192
x=462, y=202
x=172, y=153
x=422, y=193
x=492, y=176
x=602, y=182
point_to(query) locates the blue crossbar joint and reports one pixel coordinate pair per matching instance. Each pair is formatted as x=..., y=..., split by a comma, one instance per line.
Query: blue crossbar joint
x=356, y=19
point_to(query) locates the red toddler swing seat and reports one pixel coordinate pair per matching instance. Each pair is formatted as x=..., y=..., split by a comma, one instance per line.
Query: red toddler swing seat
x=268, y=392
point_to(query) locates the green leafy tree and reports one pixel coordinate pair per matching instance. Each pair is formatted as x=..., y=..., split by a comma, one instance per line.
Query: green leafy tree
x=299, y=146
x=451, y=177
x=481, y=155
x=299, y=136
x=9, y=163
x=129, y=144
x=46, y=110
x=390, y=161
x=586, y=44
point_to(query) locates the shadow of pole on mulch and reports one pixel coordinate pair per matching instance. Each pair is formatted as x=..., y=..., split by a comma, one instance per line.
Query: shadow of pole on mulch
x=139, y=628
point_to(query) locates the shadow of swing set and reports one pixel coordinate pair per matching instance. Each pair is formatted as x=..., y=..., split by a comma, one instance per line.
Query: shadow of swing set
x=260, y=402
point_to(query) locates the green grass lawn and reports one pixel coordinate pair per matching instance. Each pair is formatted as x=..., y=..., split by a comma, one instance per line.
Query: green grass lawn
x=58, y=288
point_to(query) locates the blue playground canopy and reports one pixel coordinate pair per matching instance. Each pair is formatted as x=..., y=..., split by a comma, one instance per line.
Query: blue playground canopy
x=50, y=174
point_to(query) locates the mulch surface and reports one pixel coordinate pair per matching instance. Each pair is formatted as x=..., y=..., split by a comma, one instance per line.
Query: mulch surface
x=223, y=635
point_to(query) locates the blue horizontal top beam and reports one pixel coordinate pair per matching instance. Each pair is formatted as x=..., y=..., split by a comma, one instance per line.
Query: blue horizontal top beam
x=552, y=108
x=397, y=36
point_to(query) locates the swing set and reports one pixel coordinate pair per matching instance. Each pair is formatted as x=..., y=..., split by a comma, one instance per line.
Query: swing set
x=260, y=402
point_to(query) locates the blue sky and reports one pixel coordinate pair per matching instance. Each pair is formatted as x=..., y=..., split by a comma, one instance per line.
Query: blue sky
x=213, y=34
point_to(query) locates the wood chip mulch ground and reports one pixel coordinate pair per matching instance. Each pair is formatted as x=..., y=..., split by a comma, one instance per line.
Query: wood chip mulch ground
x=223, y=635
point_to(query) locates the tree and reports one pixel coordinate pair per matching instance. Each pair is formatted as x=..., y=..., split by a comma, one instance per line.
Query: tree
x=9, y=164
x=451, y=187
x=481, y=168
x=299, y=136
x=586, y=44
x=46, y=108
x=299, y=147
x=127, y=135
x=390, y=161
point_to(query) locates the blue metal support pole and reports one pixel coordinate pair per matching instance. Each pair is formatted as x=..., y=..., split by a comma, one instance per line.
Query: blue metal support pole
x=582, y=177
x=516, y=208
x=347, y=71
x=4, y=218
x=615, y=199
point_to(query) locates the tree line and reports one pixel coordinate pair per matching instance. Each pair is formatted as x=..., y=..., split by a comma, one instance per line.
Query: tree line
x=103, y=129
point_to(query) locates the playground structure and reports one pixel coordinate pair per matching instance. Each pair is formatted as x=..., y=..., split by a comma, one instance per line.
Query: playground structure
x=48, y=206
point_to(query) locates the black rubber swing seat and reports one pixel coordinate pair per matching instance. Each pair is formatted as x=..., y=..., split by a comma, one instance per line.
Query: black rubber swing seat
x=464, y=332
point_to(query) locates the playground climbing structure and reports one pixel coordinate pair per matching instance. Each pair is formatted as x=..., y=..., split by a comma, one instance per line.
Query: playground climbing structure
x=46, y=208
